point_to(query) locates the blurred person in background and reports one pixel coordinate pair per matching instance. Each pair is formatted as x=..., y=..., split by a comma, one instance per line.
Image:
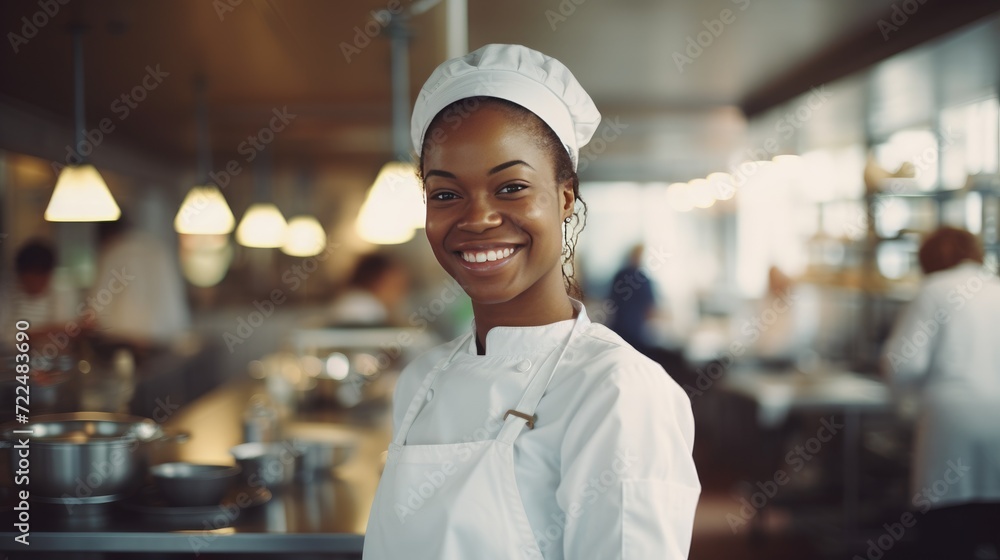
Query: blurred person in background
x=34, y=295
x=633, y=302
x=139, y=294
x=784, y=324
x=945, y=345
x=377, y=287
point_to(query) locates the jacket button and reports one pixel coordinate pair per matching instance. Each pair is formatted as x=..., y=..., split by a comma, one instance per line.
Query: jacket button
x=430, y=394
x=524, y=366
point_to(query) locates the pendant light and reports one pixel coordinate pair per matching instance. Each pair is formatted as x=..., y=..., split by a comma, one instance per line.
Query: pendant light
x=305, y=236
x=81, y=195
x=263, y=225
x=394, y=207
x=204, y=210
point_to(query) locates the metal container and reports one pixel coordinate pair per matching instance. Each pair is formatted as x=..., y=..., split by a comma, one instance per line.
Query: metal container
x=84, y=457
x=194, y=485
x=271, y=465
x=323, y=447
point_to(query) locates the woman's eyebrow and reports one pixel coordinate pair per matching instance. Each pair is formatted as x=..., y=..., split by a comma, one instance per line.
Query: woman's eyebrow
x=439, y=173
x=503, y=166
x=497, y=169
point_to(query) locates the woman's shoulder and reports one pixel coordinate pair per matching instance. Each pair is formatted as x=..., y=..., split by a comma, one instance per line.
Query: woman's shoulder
x=612, y=388
x=601, y=361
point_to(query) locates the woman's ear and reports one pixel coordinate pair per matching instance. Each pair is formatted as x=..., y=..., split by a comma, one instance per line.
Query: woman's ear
x=568, y=199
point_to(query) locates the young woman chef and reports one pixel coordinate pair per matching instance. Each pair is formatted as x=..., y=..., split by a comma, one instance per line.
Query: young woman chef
x=538, y=434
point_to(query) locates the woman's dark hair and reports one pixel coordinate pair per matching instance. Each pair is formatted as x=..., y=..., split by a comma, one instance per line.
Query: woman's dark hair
x=947, y=247
x=36, y=256
x=546, y=139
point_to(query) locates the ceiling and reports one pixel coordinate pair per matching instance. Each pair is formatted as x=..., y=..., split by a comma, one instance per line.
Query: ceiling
x=262, y=55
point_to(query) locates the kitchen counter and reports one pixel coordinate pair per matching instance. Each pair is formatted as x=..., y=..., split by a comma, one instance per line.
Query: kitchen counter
x=328, y=515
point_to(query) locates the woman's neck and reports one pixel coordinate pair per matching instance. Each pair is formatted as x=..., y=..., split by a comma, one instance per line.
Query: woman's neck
x=530, y=312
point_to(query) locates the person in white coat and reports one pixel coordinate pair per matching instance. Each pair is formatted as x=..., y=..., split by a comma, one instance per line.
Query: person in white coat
x=538, y=434
x=945, y=344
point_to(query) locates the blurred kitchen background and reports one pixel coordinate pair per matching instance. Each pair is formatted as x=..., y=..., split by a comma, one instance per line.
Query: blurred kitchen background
x=769, y=165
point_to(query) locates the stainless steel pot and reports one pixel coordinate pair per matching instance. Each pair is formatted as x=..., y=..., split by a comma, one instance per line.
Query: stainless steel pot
x=84, y=457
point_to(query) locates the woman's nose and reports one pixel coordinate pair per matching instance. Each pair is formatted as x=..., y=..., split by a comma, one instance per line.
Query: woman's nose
x=479, y=216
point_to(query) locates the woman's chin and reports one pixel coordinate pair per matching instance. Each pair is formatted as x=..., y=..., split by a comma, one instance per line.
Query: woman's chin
x=489, y=294
x=490, y=297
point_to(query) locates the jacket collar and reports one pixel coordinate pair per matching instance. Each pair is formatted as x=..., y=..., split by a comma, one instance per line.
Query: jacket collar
x=520, y=341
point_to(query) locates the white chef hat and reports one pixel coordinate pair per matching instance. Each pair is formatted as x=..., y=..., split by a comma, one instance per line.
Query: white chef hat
x=537, y=82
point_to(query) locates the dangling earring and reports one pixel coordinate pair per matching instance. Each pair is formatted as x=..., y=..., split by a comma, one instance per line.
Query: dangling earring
x=565, y=243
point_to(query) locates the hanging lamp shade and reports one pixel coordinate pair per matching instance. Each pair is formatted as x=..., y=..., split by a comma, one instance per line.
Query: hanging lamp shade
x=304, y=237
x=394, y=207
x=81, y=195
x=204, y=211
x=262, y=226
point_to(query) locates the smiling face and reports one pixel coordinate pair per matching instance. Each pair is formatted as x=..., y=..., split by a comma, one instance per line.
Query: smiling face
x=494, y=208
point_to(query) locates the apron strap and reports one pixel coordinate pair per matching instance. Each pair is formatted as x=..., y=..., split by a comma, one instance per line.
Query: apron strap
x=418, y=401
x=519, y=417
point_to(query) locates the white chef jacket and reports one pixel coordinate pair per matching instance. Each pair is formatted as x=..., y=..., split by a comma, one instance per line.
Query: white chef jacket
x=947, y=343
x=607, y=471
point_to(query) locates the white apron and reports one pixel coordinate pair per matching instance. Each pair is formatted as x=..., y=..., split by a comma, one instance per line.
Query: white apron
x=457, y=500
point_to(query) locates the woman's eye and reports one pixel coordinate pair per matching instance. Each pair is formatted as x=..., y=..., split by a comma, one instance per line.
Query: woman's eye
x=512, y=188
x=443, y=195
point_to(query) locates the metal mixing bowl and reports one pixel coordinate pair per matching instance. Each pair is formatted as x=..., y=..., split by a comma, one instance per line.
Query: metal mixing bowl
x=193, y=485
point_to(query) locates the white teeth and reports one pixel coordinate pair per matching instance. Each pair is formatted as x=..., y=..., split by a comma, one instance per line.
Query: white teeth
x=491, y=255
